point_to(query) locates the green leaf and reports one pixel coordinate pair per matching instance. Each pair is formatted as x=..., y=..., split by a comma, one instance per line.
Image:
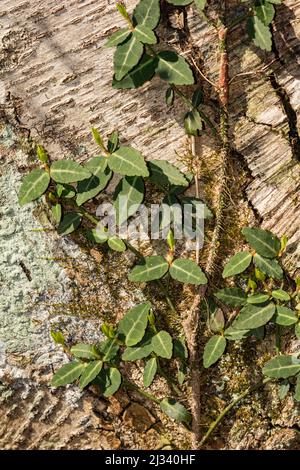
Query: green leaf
x=180, y=2
x=65, y=191
x=285, y=316
x=67, y=171
x=171, y=240
x=97, y=166
x=127, y=55
x=277, y=2
x=33, y=186
x=282, y=367
x=180, y=349
x=128, y=161
x=143, y=349
x=174, y=69
x=259, y=298
x=133, y=325
x=84, y=351
x=233, y=296
x=181, y=375
x=91, y=187
x=254, y=316
x=198, y=97
x=122, y=10
x=150, y=371
x=42, y=154
x=56, y=212
x=109, y=348
x=147, y=13
x=264, y=11
x=193, y=123
x=297, y=390
x=97, y=235
x=90, y=373
x=187, y=271
x=259, y=33
x=118, y=37
x=69, y=223
x=139, y=75
x=108, y=331
x=270, y=267
x=115, y=382
x=297, y=330
x=129, y=194
x=67, y=374
x=200, y=5
x=170, y=95
x=216, y=321
x=145, y=35
x=264, y=242
x=116, y=244
x=280, y=294
x=97, y=138
x=237, y=264
x=113, y=142
x=283, y=389
x=162, y=344
x=233, y=334
x=58, y=337
x=109, y=381
x=154, y=267
x=259, y=275
x=213, y=350
x=175, y=410
x=165, y=173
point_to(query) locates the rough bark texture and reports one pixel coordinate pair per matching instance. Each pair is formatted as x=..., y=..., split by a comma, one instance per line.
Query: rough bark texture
x=55, y=84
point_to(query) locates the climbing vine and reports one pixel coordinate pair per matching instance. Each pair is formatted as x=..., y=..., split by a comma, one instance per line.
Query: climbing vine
x=257, y=296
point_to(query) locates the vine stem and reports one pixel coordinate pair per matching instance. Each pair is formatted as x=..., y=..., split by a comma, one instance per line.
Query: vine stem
x=134, y=387
x=192, y=322
x=229, y=407
x=137, y=253
x=224, y=153
x=197, y=192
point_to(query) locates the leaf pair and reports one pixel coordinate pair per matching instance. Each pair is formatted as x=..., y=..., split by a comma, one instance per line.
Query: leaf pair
x=132, y=331
x=155, y=267
x=69, y=373
x=267, y=247
x=254, y=316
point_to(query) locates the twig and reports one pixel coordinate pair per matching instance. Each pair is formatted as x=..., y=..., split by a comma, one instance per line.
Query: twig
x=254, y=72
x=214, y=85
x=191, y=330
x=197, y=193
x=134, y=387
x=188, y=102
x=231, y=405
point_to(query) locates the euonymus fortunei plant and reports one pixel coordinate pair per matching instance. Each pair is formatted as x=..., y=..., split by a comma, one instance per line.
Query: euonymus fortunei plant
x=258, y=296
x=68, y=186
x=136, y=338
x=261, y=295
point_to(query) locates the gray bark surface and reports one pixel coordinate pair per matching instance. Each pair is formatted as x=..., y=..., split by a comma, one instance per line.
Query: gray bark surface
x=55, y=84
